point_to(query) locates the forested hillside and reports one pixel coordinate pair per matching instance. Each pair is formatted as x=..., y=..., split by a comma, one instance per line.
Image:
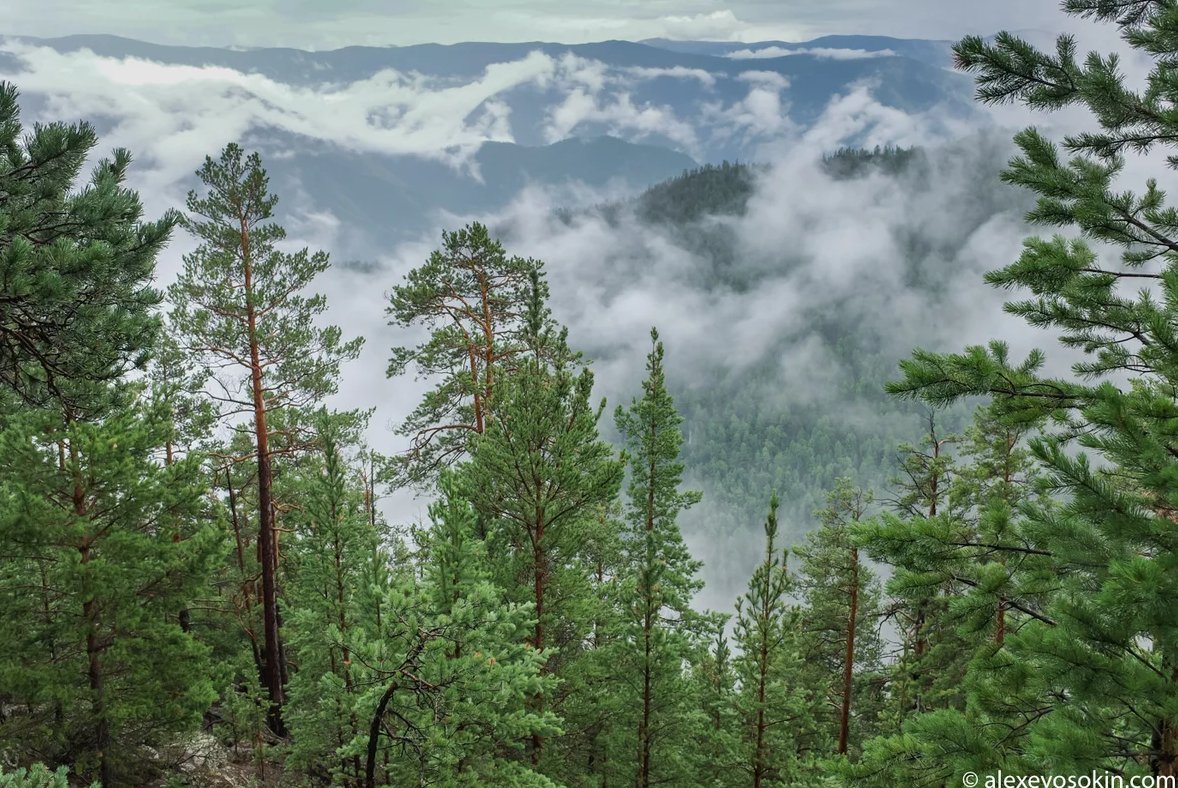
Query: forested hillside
x=796, y=428
x=199, y=585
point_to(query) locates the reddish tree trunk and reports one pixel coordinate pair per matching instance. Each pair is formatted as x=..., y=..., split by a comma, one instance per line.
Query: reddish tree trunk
x=94, y=647
x=273, y=646
x=849, y=659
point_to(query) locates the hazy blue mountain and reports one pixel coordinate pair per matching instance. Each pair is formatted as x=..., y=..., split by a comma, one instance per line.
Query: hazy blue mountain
x=385, y=199
x=934, y=53
x=697, y=83
x=618, y=115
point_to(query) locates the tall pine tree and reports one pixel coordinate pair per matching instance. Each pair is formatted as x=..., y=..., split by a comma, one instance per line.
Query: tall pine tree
x=1090, y=680
x=663, y=575
x=241, y=306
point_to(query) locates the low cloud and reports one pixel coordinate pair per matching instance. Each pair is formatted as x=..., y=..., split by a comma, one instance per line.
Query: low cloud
x=817, y=246
x=826, y=53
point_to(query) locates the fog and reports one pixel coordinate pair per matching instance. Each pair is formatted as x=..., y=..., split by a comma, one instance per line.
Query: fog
x=815, y=244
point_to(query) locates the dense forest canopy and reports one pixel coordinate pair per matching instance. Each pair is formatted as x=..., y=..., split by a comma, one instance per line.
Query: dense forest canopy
x=198, y=585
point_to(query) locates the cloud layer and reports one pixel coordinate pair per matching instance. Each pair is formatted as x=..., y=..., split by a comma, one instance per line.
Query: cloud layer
x=817, y=245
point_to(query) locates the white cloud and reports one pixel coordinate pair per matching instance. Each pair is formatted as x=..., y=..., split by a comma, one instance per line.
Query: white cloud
x=705, y=78
x=762, y=113
x=716, y=25
x=826, y=53
x=174, y=113
x=621, y=116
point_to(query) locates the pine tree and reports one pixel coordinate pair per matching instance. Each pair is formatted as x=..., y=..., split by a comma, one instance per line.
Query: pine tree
x=928, y=674
x=240, y=305
x=717, y=741
x=76, y=263
x=113, y=542
x=455, y=690
x=773, y=697
x=840, y=619
x=539, y=476
x=330, y=614
x=1090, y=680
x=474, y=300
x=664, y=574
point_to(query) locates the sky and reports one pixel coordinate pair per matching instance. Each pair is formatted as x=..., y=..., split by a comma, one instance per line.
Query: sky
x=326, y=24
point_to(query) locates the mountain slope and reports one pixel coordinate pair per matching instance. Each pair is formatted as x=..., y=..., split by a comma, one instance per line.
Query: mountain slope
x=690, y=96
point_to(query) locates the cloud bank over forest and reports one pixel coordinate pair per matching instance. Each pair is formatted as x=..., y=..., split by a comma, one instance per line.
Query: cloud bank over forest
x=902, y=256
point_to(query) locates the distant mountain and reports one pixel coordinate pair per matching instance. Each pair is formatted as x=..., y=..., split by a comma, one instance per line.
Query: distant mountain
x=387, y=199
x=933, y=53
x=462, y=128
x=697, y=97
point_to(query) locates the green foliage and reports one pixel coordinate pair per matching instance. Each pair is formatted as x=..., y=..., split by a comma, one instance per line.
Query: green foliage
x=711, y=190
x=243, y=311
x=1085, y=680
x=105, y=545
x=457, y=679
x=36, y=776
x=857, y=162
x=539, y=631
x=658, y=581
x=773, y=700
x=335, y=610
x=76, y=264
x=836, y=588
x=238, y=292
x=474, y=300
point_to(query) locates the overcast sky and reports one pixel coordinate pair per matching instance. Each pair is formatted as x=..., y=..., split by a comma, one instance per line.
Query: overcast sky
x=324, y=24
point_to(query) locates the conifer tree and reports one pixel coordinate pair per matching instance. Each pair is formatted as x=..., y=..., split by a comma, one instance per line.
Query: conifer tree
x=840, y=618
x=241, y=306
x=1090, y=680
x=76, y=263
x=773, y=696
x=474, y=300
x=717, y=742
x=330, y=615
x=454, y=693
x=928, y=673
x=96, y=660
x=664, y=574
x=539, y=476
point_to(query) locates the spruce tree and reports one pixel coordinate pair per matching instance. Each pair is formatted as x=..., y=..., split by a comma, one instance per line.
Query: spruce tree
x=241, y=308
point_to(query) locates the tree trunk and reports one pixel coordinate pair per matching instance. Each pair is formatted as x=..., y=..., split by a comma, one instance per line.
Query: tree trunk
x=97, y=687
x=1164, y=760
x=1000, y=633
x=650, y=605
x=94, y=646
x=374, y=735
x=539, y=583
x=273, y=645
x=849, y=659
x=762, y=677
x=644, y=724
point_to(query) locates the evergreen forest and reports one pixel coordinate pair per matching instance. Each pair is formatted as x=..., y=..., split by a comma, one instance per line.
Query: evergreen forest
x=199, y=585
